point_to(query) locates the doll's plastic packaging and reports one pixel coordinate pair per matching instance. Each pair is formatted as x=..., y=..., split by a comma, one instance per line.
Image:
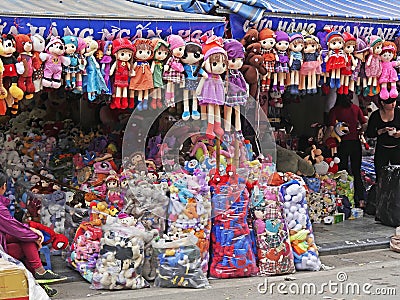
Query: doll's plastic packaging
x=120, y=262
x=53, y=211
x=305, y=252
x=74, y=216
x=179, y=263
x=274, y=252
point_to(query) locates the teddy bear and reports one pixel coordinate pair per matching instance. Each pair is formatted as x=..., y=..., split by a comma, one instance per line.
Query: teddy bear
x=24, y=48
x=54, y=60
x=251, y=69
x=250, y=37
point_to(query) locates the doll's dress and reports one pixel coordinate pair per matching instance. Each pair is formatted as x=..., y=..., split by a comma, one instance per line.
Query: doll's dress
x=336, y=60
x=237, y=89
x=121, y=74
x=74, y=63
x=172, y=75
x=93, y=81
x=310, y=64
x=157, y=74
x=269, y=59
x=389, y=73
x=212, y=91
x=347, y=69
x=359, y=71
x=297, y=58
x=282, y=66
x=143, y=79
x=106, y=61
x=375, y=68
x=191, y=81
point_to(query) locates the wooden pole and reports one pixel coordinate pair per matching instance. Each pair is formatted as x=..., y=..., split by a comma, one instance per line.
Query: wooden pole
x=218, y=153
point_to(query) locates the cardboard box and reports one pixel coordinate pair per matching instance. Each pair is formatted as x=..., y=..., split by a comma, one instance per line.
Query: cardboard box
x=13, y=282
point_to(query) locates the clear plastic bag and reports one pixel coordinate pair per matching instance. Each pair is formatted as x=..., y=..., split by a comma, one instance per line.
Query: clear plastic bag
x=74, y=216
x=53, y=211
x=179, y=263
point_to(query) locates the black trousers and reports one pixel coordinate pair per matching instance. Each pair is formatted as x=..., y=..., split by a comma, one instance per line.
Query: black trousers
x=383, y=156
x=352, y=150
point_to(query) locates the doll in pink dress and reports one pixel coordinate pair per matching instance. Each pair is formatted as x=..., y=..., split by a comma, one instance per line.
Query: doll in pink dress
x=389, y=74
x=373, y=66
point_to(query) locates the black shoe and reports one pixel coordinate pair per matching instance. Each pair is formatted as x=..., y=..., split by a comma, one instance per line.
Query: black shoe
x=49, y=290
x=49, y=277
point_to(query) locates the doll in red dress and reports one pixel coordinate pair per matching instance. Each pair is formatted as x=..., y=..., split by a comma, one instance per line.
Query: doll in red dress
x=336, y=58
x=350, y=43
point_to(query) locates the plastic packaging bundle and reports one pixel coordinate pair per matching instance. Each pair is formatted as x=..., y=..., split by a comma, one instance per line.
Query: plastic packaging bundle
x=190, y=212
x=53, y=211
x=320, y=206
x=179, y=263
x=345, y=185
x=300, y=229
x=232, y=254
x=273, y=245
x=74, y=216
x=121, y=258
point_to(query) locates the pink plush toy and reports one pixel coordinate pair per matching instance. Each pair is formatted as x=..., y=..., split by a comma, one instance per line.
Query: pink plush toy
x=389, y=74
x=373, y=66
x=54, y=60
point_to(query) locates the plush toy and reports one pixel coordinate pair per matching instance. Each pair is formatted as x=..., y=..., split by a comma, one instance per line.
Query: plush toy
x=173, y=69
x=282, y=60
x=11, y=70
x=252, y=67
x=251, y=36
x=211, y=90
x=315, y=155
x=24, y=49
x=340, y=129
x=106, y=62
x=311, y=65
x=38, y=45
x=93, y=82
x=81, y=50
x=192, y=60
x=71, y=45
x=267, y=41
x=359, y=78
x=161, y=53
x=141, y=79
x=389, y=74
x=236, y=95
x=323, y=51
x=275, y=99
x=289, y=161
x=333, y=164
x=336, y=59
x=3, y=91
x=56, y=240
x=296, y=45
x=373, y=66
x=349, y=46
x=123, y=51
x=53, y=59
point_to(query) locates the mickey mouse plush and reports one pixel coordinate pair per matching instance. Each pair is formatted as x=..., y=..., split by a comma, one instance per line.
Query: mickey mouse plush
x=11, y=70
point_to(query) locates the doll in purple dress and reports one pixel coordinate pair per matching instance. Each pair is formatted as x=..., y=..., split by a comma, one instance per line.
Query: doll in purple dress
x=106, y=65
x=282, y=60
x=237, y=89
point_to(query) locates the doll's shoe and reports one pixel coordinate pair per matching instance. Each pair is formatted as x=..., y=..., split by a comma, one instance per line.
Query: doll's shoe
x=340, y=90
x=218, y=129
x=195, y=115
x=131, y=103
x=227, y=137
x=124, y=103
x=332, y=83
x=275, y=88
x=282, y=89
x=210, y=131
x=153, y=103
x=393, y=92
x=139, y=106
x=91, y=96
x=366, y=91
x=117, y=102
x=145, y=104
x=186, y=115
x=358, y=90
x=302, y=93
x=346, y=90
x=314, y=91
x=337, y=82
x=159, y=103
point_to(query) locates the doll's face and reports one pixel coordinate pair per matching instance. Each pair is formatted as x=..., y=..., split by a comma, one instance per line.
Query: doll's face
x=160, y=54
x=378, y=48
x=109, y=50
x=143, y=54
x=124, y=54
x=70, y=48
x=112, y=184
x=178, y=52
x=215, y=64
x=235, y=63
x=349, y=47
x=296, y=46
x=282, y=45
x=28, y=46
x=336, y=43
x=191, y=58
x=268, y=43
x=387, y=56
x=310, y=48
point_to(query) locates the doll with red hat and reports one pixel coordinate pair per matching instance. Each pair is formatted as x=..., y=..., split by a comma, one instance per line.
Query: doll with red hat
x=210, y=91
x=123, y=50
x=236, y=95
x=336, y=58
x=282, y=60
x=389, y=74
x=350, y=43
x=267, y=41
x=173, y=69
x=373, y=66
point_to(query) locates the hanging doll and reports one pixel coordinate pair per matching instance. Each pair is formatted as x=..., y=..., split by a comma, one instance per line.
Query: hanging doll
x=141, y=76
x=267, y=41
x=237, y=89
x=350, y=43
x=296, y=45
x=389, y=74
x=94, y=82
x=336, y=58
x=173, y=69
x=123, y=51
x=161, y=52
x=282, y=60
x=81, y=64
x=192, y=60
x=210, y=91
x=106, y=62
x=358, y=82
x=24, y=49
x=38, y=44
x=71, y=44
x=323, y=51
x=311, y=65
x=373, y=66
x=3, y=91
